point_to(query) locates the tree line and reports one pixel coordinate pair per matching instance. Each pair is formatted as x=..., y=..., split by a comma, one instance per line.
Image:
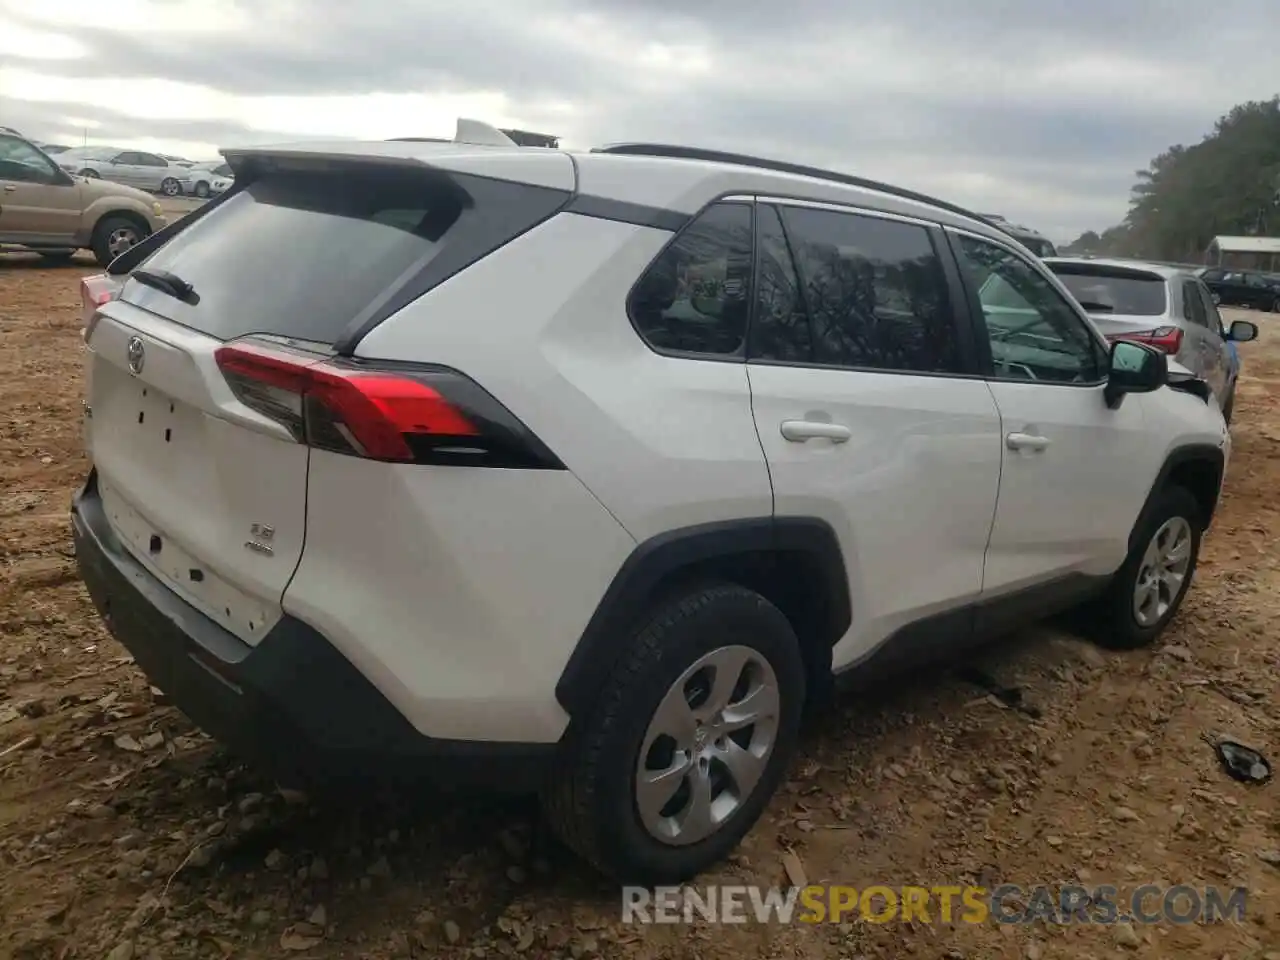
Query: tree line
x=1228, y=184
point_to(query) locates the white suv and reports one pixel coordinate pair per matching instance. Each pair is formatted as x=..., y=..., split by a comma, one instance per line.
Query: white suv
x=586, y=472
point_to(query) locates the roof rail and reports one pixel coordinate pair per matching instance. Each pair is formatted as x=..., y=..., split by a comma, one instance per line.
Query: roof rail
x=781, y=166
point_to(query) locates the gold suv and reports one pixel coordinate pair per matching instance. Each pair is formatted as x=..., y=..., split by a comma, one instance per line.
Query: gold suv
x=45, y=209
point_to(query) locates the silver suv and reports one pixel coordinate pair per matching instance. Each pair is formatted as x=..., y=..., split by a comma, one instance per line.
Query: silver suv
x=1167, y=307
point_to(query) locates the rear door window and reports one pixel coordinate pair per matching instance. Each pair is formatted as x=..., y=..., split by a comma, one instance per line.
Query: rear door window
x=311, y=256
x=780, y=329
x=875, y=292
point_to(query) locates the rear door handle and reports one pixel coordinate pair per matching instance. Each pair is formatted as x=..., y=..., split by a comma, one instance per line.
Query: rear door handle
x=1026, y=441
x=798, y=431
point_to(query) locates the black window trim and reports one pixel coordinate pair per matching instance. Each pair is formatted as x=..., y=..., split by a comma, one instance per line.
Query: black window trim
x=957, y=304
x=979, y=322
x=960, y=307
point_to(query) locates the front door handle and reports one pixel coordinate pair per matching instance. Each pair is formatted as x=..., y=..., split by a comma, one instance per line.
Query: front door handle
x=9, y=188
x=798, y=431
x=1026, y=441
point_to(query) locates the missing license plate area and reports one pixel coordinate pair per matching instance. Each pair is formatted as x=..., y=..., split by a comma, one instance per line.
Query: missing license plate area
x=181, y=572
x=157, y=412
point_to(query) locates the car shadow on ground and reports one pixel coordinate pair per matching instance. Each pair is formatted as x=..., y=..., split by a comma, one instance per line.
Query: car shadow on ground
x=380, y=850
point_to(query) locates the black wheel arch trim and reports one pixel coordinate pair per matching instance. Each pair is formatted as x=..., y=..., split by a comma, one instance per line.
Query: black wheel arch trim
x=656, y=560
x=1189, y=453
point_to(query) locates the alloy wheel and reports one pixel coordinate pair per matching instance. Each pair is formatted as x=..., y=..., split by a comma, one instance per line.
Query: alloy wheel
x=1162, y=572
x=707, y=745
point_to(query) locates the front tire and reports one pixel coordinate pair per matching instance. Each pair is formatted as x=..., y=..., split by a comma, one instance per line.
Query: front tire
x=1148, y=589
x=688, y=740
x=113, y=236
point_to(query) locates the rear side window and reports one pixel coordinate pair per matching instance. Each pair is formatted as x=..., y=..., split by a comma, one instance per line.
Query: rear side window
x=875, y=292
x=1129, y=293
x=693, y=299
x=311, y=256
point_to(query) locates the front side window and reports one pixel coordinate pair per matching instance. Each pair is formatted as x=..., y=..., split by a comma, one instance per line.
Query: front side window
x=1034, y=333
x=694, y=298
x=22, y=163
x=875, y=292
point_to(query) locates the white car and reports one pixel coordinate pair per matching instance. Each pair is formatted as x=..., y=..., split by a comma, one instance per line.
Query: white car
x=209, y=179
x=587, y=472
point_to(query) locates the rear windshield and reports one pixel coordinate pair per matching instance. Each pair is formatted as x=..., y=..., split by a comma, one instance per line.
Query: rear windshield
x=306, y=255
x=1100, y=292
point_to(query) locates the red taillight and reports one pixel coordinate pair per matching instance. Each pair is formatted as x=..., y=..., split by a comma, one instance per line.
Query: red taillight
x=94, y=292
x=1165, y=339
x=395, y=413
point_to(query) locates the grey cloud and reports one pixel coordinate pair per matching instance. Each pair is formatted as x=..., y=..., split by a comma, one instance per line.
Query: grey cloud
x=789, y=79
x=56, y=122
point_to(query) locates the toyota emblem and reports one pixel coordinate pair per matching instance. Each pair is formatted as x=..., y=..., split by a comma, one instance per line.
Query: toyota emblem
x=137, y=355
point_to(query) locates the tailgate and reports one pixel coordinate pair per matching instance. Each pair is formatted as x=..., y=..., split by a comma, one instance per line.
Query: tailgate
x=207, y=494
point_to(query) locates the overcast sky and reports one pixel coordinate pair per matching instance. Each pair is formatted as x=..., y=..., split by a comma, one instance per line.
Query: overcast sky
x=1037, y=109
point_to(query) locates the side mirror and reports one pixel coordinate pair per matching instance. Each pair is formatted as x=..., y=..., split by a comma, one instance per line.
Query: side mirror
x=1242, y=331
x=1134, y=368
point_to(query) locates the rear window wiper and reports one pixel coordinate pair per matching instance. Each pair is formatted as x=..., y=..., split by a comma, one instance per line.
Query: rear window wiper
x=169, y=283
x=1096, y=307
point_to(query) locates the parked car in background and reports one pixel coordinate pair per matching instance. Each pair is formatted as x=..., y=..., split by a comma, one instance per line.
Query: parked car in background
x=1033, y=241
x=178, y=161
x=1166, y=307
x=53, y=149
x=209, y=179
x=1243, y=288
x=54, y=213
x=136, y=168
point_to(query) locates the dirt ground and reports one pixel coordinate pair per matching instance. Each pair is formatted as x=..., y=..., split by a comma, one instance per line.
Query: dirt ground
x=125, y=833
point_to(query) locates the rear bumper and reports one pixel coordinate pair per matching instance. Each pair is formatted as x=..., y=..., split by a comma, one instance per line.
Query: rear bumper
x=292, y=705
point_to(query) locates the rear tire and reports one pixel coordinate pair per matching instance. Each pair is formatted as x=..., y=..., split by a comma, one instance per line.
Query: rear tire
x=700, y=663
x=113, y=236
x=1147, y=591
x=170, y=187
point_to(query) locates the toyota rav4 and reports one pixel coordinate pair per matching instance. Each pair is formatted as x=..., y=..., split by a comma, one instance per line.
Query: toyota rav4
x=587, y=472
